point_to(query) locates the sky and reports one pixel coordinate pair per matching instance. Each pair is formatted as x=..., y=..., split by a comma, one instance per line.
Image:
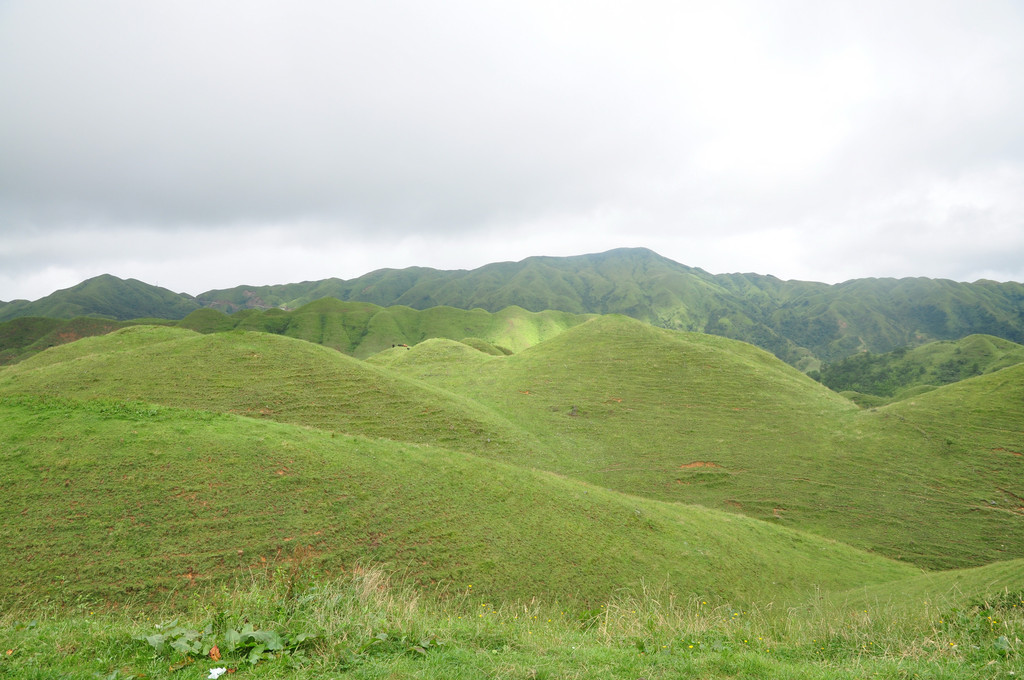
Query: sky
x=202, y=144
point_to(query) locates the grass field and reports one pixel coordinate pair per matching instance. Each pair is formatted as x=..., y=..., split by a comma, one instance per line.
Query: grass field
x=658, y=501
x=122, y=498
x=280, y=622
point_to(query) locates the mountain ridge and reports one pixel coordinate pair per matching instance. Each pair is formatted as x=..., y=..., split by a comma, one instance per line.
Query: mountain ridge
x=804, y=323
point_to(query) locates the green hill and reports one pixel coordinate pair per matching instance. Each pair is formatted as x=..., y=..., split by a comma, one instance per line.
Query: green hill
x=694, y=418
x=355, y=328
x=803, y=323
x=108, y=297
x=116, y=498
x=676, y=417
x=898, y=373
x=264, y=376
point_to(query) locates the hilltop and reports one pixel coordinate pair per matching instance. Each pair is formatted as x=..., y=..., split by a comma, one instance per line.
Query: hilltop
x=104, y=296
x=695, y=418
x=803, y=323
x=664, y=417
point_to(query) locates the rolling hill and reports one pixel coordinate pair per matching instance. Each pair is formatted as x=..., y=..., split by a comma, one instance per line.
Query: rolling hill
x=355, y=328
x=803, y=323
x=117, y=499
x=611, y=498
x=105, y=296
x=362, y=329
x=874, y=379
x=672, y=417
x=693, y=418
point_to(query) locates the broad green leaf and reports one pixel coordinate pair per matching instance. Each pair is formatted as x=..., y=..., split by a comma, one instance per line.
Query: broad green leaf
x=156, y=641
x=231, y=639
x=269, y=639
x=256, y=654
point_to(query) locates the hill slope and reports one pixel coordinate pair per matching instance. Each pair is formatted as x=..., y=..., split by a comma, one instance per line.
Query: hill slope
x=114, y=498
x=678, y=417
x=262, y=375
x=699, y=419
x=898, y=372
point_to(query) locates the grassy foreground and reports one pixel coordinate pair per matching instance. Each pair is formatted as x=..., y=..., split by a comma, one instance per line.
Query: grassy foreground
x=286, y=623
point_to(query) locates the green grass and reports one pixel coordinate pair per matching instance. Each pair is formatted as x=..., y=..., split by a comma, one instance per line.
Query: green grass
x=124, y=499
x=362, y=329
x=609, y=500
x=369, y=624
x=676, y=417
x=699, y=419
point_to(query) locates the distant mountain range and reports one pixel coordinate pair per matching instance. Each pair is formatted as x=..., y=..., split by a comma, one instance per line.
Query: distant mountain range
x=803, y=323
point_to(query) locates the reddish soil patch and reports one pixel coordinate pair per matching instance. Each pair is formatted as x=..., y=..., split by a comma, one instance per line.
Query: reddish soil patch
x=699, y=464
x=1010, y=451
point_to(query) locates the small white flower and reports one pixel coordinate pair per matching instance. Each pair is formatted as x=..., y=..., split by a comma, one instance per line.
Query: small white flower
x=216, y=673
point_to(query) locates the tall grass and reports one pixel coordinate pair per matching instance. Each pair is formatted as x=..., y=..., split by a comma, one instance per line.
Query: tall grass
x=370, y=623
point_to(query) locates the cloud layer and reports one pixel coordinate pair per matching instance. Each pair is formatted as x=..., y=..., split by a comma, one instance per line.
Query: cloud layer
x=215, y=143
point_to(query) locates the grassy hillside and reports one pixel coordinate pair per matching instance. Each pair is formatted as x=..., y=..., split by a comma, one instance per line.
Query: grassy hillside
x=803, y=323
x=896, y=374
x=614, y=500
x=677, y=417
x=699, y=419
x=28, y=335
x=113, y=498
x=372, y=624
x=264, y=376
x=105, y=296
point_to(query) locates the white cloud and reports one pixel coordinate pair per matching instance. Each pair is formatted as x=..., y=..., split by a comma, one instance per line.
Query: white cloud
x=221, y=142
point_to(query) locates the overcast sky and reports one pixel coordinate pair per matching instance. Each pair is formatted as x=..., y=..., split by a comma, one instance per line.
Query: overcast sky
x=208, y=144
